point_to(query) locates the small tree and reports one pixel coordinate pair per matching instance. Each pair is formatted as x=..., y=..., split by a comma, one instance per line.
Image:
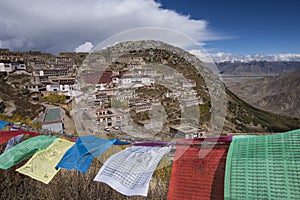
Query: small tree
x=37, y=125
x=54, y=98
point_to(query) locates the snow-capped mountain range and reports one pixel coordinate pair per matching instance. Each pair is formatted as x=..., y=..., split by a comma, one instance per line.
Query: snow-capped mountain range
x=222, y=57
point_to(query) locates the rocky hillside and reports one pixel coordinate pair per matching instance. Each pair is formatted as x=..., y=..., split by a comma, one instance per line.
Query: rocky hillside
x=16, y=99
x=258, y=68
x=278, y=94
x=240, y=116
x=243, y=117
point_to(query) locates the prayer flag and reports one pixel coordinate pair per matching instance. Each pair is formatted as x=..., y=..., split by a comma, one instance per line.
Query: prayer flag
x=6, y=135
x=130, y=171
x=13, y=141
x=3, y=124
x=196, y=176
x=264, y=167
x=119, y=142
x=151, y=144
x=24, y=150
x=81, y=155
x=42, y=165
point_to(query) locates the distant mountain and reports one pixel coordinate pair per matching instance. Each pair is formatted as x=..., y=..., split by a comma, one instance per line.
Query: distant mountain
x=221, y=57
x=228, y=57
x=279, y=94
x=260, y=68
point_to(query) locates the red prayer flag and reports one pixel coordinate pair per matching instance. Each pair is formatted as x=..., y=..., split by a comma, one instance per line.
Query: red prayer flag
x=6, y=135
x=196, y=177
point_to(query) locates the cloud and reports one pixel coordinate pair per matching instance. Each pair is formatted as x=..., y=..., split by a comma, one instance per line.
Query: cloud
x=223, y=56
x=54, y=26
x=86, y=47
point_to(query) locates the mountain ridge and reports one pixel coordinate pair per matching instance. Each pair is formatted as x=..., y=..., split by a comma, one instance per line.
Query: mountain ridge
x=258, y=68
x=277, y=94
x=228, y=57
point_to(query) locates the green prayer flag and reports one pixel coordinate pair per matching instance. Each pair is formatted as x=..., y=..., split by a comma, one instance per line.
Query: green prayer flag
x=25, y=150
x=263, y=167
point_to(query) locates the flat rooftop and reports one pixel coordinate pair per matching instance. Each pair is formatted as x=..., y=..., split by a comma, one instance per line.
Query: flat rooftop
x=185, y=128
x=53, y=114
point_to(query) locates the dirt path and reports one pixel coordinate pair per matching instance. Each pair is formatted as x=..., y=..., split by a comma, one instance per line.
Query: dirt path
x=68, y=122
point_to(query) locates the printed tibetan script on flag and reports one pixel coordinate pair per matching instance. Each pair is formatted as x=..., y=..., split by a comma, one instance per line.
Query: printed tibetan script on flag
x=130, y=171
x=24, y=150
x=195, y=176
x=42, y=165
x=81, y=155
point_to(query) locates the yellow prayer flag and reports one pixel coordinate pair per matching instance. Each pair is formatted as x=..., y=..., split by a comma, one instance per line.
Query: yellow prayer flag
x=42, y=165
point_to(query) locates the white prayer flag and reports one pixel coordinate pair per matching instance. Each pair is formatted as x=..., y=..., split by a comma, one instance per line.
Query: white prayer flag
x=129, y=172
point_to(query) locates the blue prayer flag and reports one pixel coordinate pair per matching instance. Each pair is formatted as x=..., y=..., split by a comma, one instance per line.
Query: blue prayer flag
x=81, y=155
x=3, y=124
x=119, y=142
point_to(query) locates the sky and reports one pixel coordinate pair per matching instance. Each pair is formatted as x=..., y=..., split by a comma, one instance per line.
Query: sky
x=231, y=26
x=252, y=26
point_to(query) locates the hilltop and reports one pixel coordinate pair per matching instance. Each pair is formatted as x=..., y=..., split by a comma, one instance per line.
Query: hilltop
x=240, y=116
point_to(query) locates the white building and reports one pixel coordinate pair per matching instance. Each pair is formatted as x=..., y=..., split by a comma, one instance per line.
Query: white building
x=33, y=87
x=53, y=87
x=20, y=65
x=187, y=131
x=188, y=84
x=62, y=85
x=106, y=118
x=125, y=94
x=136, y=81
x=5, y=66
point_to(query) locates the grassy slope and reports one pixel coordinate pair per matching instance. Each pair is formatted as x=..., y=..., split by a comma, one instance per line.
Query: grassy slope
x=23, y=107
x=248, y=114
x=241, y=117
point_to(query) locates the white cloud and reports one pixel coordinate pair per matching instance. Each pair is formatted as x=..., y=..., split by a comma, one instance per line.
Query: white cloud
x=86, y=47
x=202, y=55
x=223, y=56
x=54, y=26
